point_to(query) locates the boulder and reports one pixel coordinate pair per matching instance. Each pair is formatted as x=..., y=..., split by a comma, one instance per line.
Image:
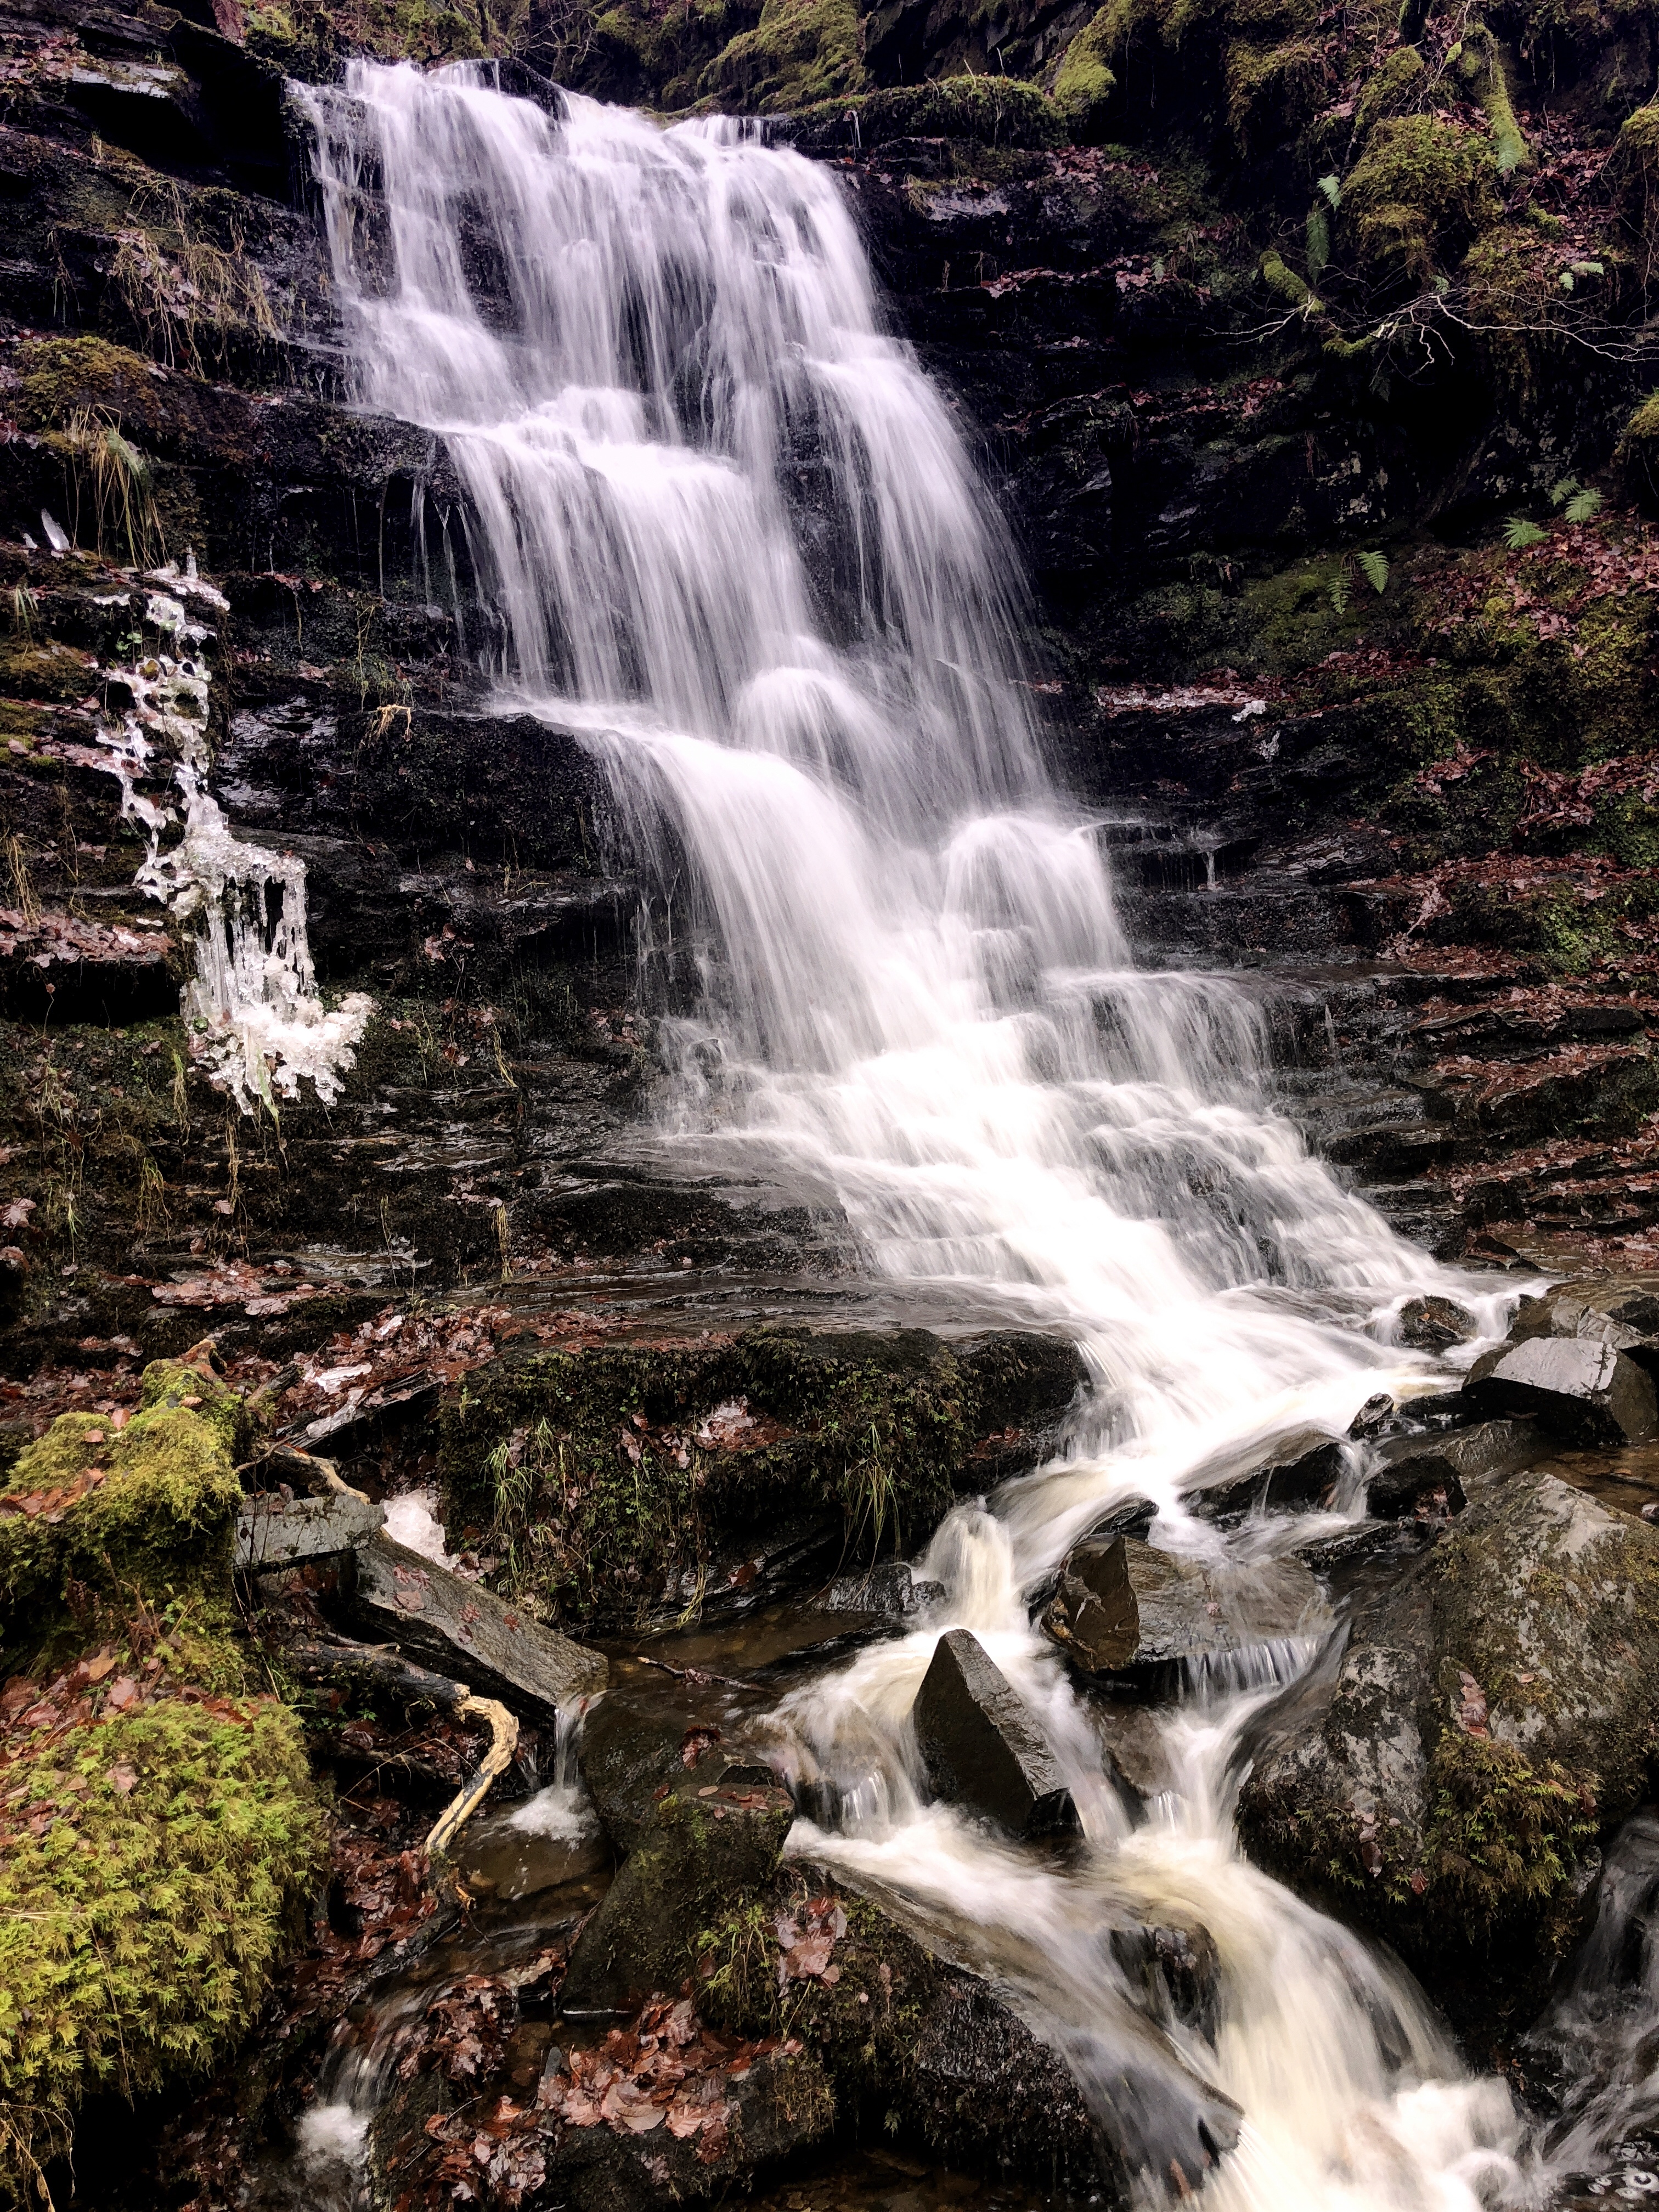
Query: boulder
x=705, y=1848
x=1299, y=1483
x=1434, y=1324
x=1126, y=1611
x=1622, y=1310
x=981, y=2077
x=1176, y=1972
x=1134, y=1744
x=460, y=1629
x=1420, y=1474
x=980, y=1747
x=274, y=1531
x=1443, y=1778
x=1372, y=1418
x=1581, y=1389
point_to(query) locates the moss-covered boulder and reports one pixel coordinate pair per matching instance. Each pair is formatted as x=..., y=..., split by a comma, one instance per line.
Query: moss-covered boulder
x=117, y=1517
x=1445, y=1782
x=1413, y=202
x=155, y=1844
x=639, y=1482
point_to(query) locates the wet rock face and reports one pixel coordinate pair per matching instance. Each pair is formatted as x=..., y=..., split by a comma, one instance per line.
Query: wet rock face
x=1581, y=1389
x=1445, y=1776
x=981, y=1746
x=1126, y=1611
x=1418, y=1475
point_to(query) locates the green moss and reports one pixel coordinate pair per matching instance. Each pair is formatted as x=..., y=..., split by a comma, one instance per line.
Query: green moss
x=1505, y=1838
x=1281, y=280
x=599, y=1478
x=801, y=51
x=1084, y=83
x=991, y=110
x=1393, y=89
x=58, y=375
x=158, y=1527
x=1413, y=202
x=1273, y=92
x=1480, y=66
x=307, y=39
x=139, y=1931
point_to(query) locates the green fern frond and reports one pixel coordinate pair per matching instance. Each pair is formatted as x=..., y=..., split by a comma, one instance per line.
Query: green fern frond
x=1331, y=188
x=1519, y=533
x=1582, y=506
x=1374, y=568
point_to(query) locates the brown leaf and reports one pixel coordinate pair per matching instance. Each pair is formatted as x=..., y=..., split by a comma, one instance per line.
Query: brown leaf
x=122, y=1778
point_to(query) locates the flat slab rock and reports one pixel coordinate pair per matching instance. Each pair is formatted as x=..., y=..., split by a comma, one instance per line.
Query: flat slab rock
x=459, y=1628
x=1581, y=1389
x=981, y=1747
x=1126, y=1610
x=274, y=1531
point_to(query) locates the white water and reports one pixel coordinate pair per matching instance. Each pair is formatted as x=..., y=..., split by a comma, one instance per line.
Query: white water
x=736, y=541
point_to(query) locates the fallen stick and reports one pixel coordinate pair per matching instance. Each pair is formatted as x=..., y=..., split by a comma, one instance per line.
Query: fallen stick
x=382, y=1667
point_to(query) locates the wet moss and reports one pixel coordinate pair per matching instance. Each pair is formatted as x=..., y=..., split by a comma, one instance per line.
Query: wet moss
x=150, y=1871
x=1272, y=91
x=801, y=51
x=1084, y=83
x=1421, y=190
x=606, y=1477
x=58, y=375
x=1393, y=89
x=987, y=110
x=157, y=1523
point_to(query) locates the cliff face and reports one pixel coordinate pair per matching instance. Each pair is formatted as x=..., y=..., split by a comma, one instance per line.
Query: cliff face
x=1308, y=355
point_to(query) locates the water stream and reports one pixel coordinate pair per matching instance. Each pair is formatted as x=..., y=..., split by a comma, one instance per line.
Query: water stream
x=737, y=543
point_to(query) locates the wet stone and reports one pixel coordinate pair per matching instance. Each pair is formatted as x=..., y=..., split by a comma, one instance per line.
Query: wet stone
x=981, y=1747
x=1419, y=1476
x=891, y=1590
x=1434, y=1324
x=1126, y=1611
x=274, y=1531
x=460, y=1629
x=1580, y=1389
x=1174, y=1972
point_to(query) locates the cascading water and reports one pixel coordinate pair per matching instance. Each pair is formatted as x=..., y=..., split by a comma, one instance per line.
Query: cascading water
x=737, y=542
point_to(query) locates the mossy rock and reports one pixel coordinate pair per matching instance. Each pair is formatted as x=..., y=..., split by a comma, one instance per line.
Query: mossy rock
x=1393, y=89
x=801, y=51
x=1492, y=1714
x=1084, y=82
x=1273, y=92
x=156, y=1526
x=605, y=1479
x=1421, y=190
x=1638, y=451
x=151, y=1866
x=987, y=110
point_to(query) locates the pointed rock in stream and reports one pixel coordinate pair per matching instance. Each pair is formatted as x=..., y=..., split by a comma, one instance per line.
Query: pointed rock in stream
x=463, y=1630
x=981, y=1747
x=1433, y=1474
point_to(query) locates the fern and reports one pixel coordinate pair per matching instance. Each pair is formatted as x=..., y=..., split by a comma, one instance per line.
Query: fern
x=1519, y=533
x=1331, y=188
x=1582, y=506
x=1374, y=568
x=1562, y=492
x=1337, y=592
x=1319, y=243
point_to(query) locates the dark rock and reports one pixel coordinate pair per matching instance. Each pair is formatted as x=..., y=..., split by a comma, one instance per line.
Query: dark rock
x=891, y=1590
x=1581, y=1389
x=986, y=2088
x=981, y=1748
x=703, y=1848
x=459, y=1628
x=1177, y=1971
x=1415, y=1472
x=1351, y=1547
x=1134, y=1744
x=1432, y=1324
x=634, y=1744
x=1126, y=1611
x=1372, y=1418
x=1296, y=1485
x=274, y=1531
x=1442, y=1777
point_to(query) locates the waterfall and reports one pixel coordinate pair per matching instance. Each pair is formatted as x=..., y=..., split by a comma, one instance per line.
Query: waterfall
x=737, y=542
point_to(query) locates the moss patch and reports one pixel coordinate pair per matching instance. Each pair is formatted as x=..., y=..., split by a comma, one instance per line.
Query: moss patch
x=150, y=1864
x=800, y=53
x=1418, y=193
x=605, y=1477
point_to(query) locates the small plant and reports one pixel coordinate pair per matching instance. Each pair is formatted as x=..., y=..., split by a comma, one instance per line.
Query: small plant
x=1374, y=568
x=108, y=472
x=21, y=882
x=1331, y=188
x=189, y=299
x=1576, y=502
x=25, y=612
x=1519, y=533
x=1338, y=592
